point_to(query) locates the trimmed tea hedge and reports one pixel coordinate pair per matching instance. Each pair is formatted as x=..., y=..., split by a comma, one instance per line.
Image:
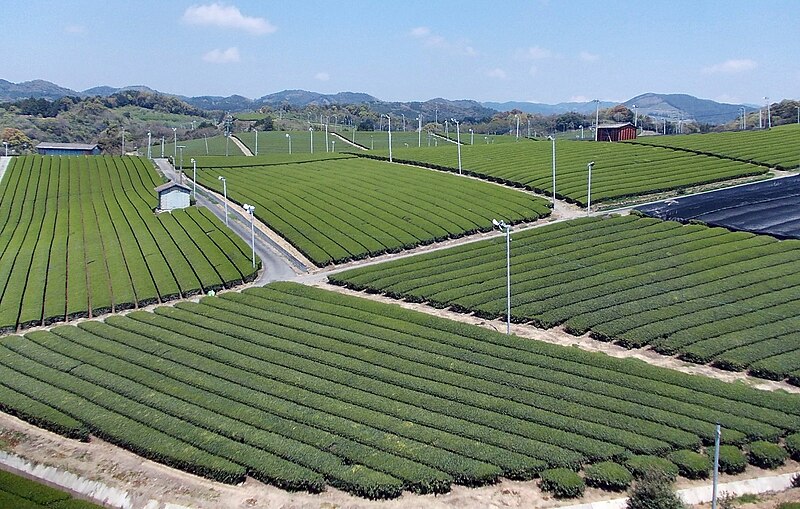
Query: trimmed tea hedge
x=691, y=464
x=731, y=459
x=640, y=465
x=78, y=237
x=303, y=388
x=337, y=210
x=608, y=476
x=705, y=294
x=766, y=455
x=562, y=482
x=621, y=169
x=20, y=493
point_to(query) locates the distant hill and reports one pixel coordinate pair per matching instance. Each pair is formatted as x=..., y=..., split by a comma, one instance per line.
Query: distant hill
x=672, y=106
x=549, y=109
x=300, y=98
x=105, y=91
x=36, y=89
x=675, y=106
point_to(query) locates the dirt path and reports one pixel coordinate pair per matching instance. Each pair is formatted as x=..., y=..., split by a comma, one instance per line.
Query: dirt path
x=4, y=162
x=246, y=151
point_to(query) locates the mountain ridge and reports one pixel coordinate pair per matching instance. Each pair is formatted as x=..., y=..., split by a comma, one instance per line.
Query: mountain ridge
x=660, y=106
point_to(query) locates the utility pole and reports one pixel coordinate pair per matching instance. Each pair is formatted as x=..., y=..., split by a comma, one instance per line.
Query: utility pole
x=596, y=120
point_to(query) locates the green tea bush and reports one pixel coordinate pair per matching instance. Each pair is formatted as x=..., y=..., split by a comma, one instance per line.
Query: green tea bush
x=608, y=476
x=691, y=465
x=793, y=445
x=767, y=455
x=731, y=459
x=562, y=482
x=639, y=465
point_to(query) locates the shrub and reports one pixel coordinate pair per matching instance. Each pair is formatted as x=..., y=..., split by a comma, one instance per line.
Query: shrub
x=793, y=445
x=653, y=491
x=731, y=459
x=608, y=476
x=767, y=455
x=691, y=465
x=562, y=482
x=789, y=505
x=639, y=465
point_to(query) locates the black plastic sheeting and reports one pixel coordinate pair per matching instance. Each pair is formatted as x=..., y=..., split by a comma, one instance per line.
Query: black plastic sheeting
x=771, y=207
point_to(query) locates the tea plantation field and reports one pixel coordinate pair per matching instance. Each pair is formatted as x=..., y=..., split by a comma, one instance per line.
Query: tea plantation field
x=621, y=170
x=706, y=294
x=302, y=388
x=19, y=493
x=775, y=148
x=336, y=210
x=78, y=237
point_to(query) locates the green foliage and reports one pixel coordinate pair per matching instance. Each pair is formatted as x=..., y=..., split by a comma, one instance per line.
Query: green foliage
x=788, y=505
x=653, y=491
x=766, y=454
x=636, y=281
x=608, y=476
x=93, y=245
x=691, y=464
x=337, y=210
x=770, y=148
x=622, y=170
x=793, y=446
x=639, y=465
x=562, y=482
x=731, y=459
x=22, y=493
x=303, y=388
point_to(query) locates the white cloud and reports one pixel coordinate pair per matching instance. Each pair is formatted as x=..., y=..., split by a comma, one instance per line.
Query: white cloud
x=322, y=76
x=534, y=53
x=226, y=16
x=75, y=29
x=588, y=57
x=732, y=66
x=497, y=73
x=218, y=56
x=436, y=41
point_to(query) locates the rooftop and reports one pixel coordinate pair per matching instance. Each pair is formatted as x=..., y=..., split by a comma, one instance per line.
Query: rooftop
x=170, y=185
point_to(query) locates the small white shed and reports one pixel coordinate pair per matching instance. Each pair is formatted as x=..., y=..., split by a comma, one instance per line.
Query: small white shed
x=173, y=196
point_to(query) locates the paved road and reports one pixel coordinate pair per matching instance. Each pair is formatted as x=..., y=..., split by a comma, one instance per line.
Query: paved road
x=278, y=264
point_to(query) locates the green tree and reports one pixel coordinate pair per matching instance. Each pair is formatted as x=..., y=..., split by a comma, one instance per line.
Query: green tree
x=653, y=491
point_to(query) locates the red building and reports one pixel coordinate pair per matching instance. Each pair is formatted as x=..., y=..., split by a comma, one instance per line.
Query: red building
x=616, y=132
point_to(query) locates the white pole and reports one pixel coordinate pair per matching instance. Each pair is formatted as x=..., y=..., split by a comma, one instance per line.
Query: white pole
x=458, y=142
x=333, y=146
x=311, y=132
x=471, y=137
x=419, y=127
x=162, y=147
x=390, y=136
x=635, y=118
x=717, y=435
x=288, y=137
x=517, y=126
x=149, y=148
x=225, y=196
x=596, y=119
x=194, y=178
x=554, y=171
x=175, y=133
x=326, y=137
x=589, y=193
x=769, y=115
x=250, y=210
x=256, y=130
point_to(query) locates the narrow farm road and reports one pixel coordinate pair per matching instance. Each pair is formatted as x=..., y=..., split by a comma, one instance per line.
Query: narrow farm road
x=4, y=161
x=278, y=264
x=246, y=151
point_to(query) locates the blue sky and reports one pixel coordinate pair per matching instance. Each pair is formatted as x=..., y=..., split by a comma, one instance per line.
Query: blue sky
x=405, y=50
